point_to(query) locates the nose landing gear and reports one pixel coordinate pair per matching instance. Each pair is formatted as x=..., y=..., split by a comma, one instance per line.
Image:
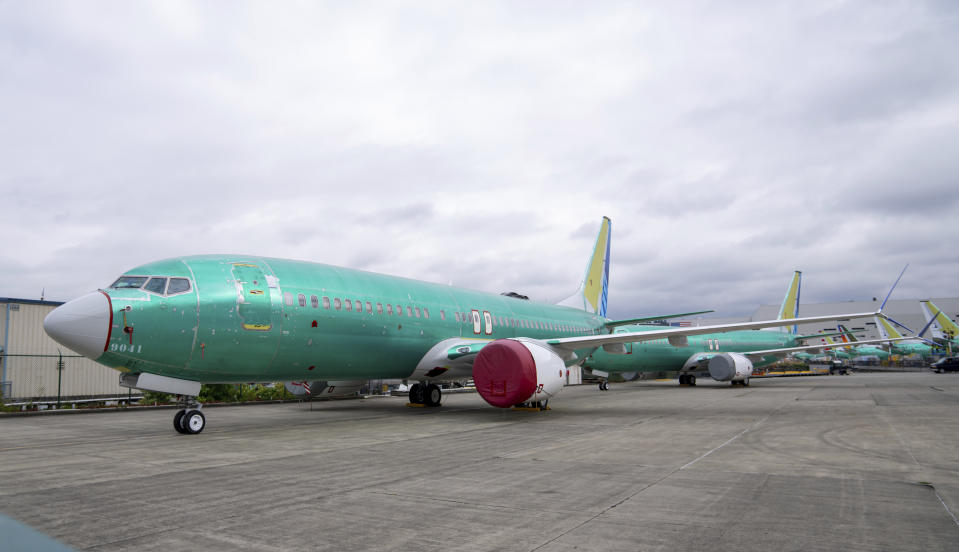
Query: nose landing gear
x=189, y=420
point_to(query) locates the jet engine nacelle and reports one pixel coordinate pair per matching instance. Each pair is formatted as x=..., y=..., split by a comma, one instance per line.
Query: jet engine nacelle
x=508, y=372
x=730, y=367
x=325, y=389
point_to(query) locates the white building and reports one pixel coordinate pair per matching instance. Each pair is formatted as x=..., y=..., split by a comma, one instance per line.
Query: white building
x=29, y=365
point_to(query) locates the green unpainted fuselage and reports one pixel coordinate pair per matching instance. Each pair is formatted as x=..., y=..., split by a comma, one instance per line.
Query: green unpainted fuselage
x=907, y=348
x=250, y=319
x=659, y=355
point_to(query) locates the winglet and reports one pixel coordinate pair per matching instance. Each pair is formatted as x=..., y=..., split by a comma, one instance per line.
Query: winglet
x=593, y=291
x=883, y=305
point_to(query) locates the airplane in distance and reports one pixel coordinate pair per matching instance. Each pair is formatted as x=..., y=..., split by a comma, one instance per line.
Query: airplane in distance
x=848, y=347
x=859, y=350
x=172, y=325
x=909, y=347
x=729, y=356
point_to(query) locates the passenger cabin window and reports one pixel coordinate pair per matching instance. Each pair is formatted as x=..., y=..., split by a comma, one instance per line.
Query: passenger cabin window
x=129, y=282
x=389, y=309
x=301, y=299
x=442, y=315
x=426, y=312
x=409, y=311
x=288, y=298
x=399, y=310
x=156, y=285
x=178, y=285
x=349, y=304
x=314, y=301
x=337, y=304
x=326, y=302
x=379, y=308
x=369, y=307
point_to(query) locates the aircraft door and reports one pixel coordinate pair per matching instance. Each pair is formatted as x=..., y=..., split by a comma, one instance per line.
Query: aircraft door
x=252, y=297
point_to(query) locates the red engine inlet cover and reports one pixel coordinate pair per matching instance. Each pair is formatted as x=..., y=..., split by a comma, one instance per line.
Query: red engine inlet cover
x=505, y=373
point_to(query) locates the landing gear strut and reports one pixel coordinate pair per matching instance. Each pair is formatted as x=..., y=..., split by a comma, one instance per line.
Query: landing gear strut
x=687, y=379
x=428, y=394
x=189, y=420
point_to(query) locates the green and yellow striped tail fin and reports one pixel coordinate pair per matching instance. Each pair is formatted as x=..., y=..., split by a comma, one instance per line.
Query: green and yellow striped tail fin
x=943, y=325
x=593, y=292
x=790, y=306
x=886, y=329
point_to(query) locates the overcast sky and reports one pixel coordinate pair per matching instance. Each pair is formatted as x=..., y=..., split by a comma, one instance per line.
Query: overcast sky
x=480, y=143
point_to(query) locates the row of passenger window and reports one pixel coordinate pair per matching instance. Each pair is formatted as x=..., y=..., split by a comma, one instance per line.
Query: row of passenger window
x=357, y=305
x=526, y=323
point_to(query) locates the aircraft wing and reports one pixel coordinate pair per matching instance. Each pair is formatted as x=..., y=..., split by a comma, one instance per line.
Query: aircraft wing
x=631, y=321
x=677, y=336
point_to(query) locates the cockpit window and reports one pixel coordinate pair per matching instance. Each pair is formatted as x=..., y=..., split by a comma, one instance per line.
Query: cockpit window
x=178, y=285
x=156, y=285
x=129, y=282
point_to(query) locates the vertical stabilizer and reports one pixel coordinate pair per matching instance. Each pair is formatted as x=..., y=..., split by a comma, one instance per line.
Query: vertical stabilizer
x=593, y=291
x=847, y=336
x=886, y=330
x=941, y=325
x=790, y=306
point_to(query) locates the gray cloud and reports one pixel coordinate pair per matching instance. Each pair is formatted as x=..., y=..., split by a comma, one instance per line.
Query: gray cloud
x=730, y=144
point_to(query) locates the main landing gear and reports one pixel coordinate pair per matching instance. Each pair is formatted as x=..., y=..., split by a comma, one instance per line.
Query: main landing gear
x=532, y=405
x=604, y=385
x=744, y=383
x=687, y=379
x=426, y=394
x=189, y=420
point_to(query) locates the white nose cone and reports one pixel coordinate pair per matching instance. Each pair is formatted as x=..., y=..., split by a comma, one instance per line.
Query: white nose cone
x=82, y=325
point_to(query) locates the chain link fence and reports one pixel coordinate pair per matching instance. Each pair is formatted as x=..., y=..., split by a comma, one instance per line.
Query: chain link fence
x=49, y=377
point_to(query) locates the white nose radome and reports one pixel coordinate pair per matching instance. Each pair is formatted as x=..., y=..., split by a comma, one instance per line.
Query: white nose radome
x=82, y=325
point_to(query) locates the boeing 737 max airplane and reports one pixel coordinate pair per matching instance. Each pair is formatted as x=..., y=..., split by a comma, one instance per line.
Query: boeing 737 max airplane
x=172, y=325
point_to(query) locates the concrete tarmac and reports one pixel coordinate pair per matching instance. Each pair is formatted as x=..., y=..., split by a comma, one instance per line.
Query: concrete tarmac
x=861, y=462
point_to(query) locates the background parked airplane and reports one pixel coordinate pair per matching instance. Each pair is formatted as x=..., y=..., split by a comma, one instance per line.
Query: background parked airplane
x=907, y=347
x=729, y=356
